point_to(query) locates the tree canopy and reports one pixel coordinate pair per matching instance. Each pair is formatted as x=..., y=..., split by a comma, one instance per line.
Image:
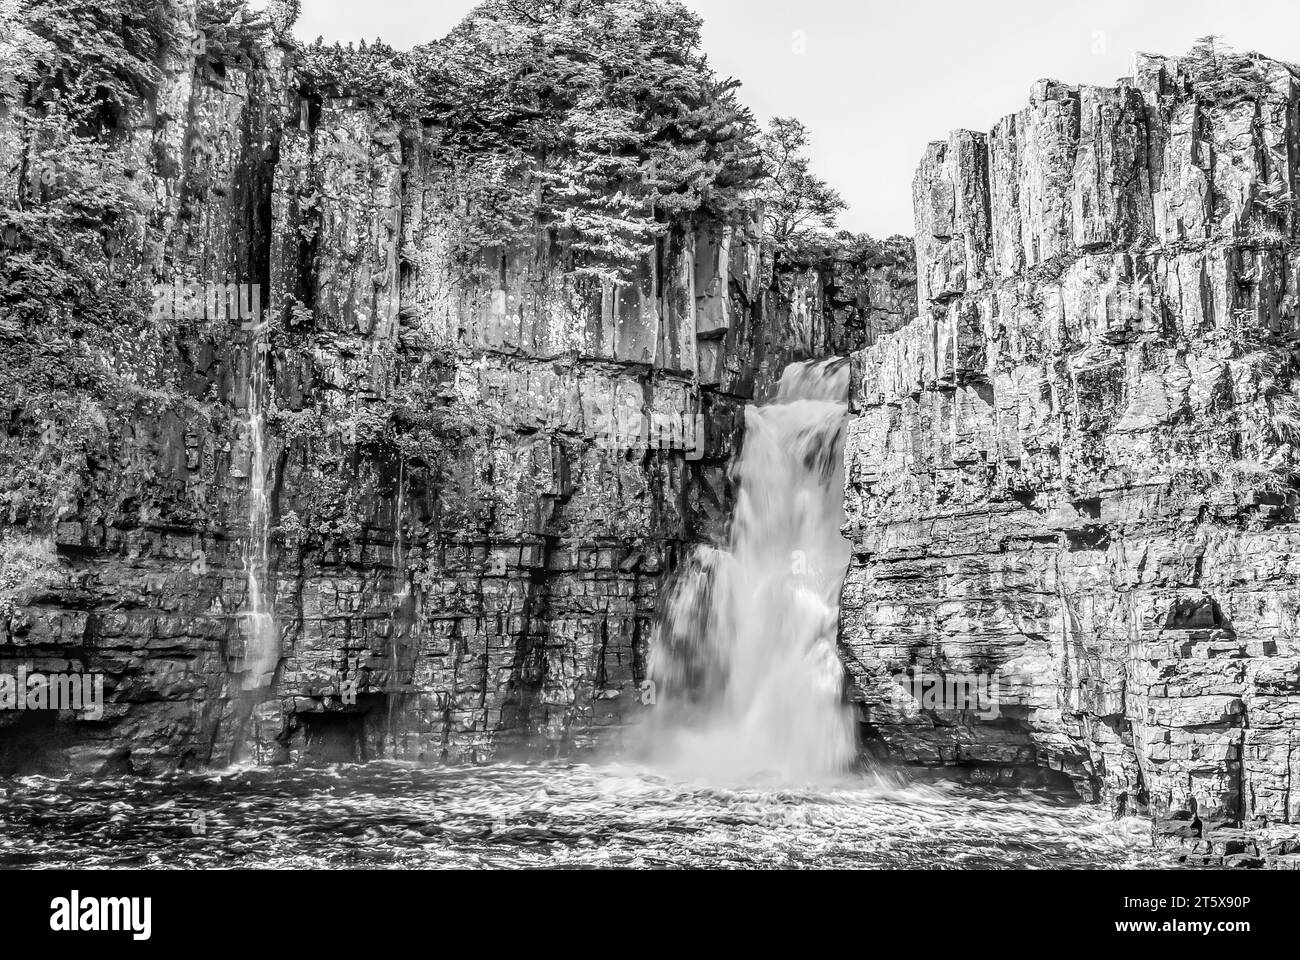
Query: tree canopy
x=599, y=119
x=800, y=207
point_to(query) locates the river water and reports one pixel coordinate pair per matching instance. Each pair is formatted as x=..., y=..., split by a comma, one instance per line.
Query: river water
x=391, y=815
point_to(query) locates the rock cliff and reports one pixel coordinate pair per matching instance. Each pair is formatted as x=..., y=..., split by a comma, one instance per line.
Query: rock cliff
x=1070, y=480
x=476, y=481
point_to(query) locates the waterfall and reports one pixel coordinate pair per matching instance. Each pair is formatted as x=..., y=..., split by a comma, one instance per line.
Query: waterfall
x=744, y=666
x=399, y=538
x=261, y=639
x=403, y=617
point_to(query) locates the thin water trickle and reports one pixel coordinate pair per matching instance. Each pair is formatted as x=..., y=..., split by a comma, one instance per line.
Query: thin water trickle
x=744, y=664
x=401, y=595
x=261, y=640
x=399, y=540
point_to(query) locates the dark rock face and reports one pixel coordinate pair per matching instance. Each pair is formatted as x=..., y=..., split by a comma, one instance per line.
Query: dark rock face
x=497, y=599
x=1071, y=476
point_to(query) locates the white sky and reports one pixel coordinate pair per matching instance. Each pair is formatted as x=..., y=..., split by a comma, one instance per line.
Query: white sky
x=881, y=78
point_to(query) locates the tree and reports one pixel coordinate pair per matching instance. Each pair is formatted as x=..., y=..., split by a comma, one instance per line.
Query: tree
x=600, y=120
x=283, y=14
x=800, y=207
x=1208, y=46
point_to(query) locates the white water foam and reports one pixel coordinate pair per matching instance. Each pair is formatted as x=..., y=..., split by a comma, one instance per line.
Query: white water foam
x=744, y=664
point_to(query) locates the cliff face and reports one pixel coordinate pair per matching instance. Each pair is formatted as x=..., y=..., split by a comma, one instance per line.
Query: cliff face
x=488, y=590
x=1070, y=479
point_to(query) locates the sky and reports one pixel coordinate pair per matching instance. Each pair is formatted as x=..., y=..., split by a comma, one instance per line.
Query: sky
x=876, y=80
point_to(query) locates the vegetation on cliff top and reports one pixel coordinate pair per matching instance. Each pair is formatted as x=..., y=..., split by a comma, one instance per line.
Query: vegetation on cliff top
x=799, y=207
x=1223, y=77
x=600, y=121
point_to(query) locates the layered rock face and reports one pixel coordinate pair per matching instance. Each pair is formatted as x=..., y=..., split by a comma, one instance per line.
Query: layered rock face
x=1070, y=479
x=491, y=595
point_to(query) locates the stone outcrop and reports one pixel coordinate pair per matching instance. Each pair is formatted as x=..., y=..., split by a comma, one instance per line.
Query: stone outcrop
x=1070, y=479
x=492, y=594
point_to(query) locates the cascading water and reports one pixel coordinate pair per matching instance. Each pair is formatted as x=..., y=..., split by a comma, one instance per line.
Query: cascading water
x=744, y=664
x=401, y=615
x=261, y=639
x=399, y=538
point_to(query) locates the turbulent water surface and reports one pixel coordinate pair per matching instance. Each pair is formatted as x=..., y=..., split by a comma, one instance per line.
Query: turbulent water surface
x=397, y=815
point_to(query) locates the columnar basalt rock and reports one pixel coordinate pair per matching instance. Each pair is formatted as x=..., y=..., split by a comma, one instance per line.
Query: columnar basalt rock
x=489, y=595
x=1073, y=472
